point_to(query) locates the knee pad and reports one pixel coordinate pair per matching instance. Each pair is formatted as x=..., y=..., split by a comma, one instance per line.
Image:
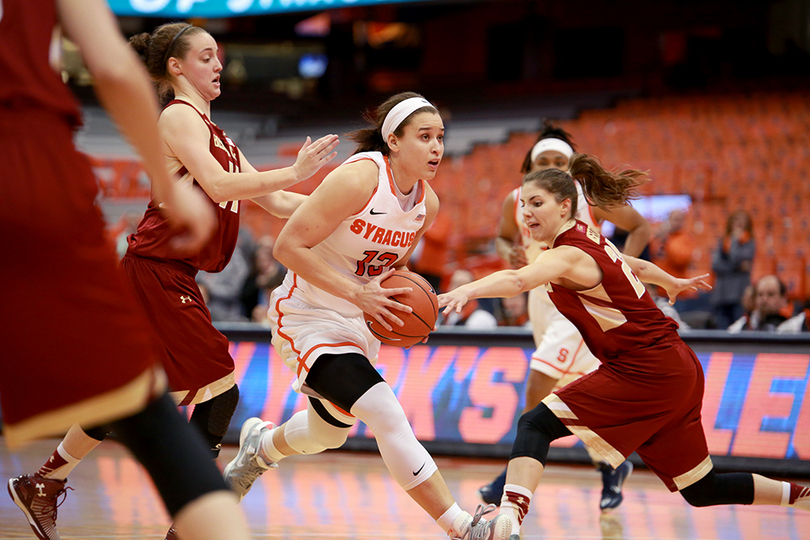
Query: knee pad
x=308, y=433
x=536, y=429
x=715, y=489
x=213, y=417
x=405, y=457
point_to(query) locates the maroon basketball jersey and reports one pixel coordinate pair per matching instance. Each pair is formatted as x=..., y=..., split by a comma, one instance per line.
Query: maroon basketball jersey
x=153, y=235
x=28, y=80
x=616, y=316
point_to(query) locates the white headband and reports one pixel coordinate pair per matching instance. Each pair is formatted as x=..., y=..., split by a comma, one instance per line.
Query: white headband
x=558, y=145
x=400, y=112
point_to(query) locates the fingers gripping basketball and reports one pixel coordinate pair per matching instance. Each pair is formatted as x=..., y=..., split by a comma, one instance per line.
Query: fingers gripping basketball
x=420, y=322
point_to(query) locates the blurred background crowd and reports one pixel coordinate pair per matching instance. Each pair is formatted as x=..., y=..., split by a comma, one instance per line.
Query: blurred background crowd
x=710, y=97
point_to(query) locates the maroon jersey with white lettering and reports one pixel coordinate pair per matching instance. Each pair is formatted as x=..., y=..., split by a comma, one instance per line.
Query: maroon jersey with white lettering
x=616, y=316
x=29, y=81
x=153, y=235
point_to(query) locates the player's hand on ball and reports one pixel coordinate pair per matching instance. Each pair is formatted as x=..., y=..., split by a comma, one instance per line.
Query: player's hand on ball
x=375, y=300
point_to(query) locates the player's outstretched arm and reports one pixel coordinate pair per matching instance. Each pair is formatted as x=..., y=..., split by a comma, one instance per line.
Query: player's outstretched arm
x=650, y=273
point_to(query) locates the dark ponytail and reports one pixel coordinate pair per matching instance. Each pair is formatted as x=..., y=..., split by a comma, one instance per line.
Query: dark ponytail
x=601, y=187
x=604, y=188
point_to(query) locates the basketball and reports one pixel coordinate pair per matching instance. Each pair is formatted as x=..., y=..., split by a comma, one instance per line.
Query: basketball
x=418, y=323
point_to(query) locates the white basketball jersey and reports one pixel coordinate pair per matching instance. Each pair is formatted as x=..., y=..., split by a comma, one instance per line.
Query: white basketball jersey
x=534, y=248
x=368, y=243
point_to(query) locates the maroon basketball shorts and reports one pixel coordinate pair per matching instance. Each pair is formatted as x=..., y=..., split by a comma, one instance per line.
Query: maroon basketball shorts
x=196, y=356
x=654, y=411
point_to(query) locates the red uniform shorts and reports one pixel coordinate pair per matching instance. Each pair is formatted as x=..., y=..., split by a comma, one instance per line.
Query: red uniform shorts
x=76, y=346
x=196, y=356
x=655, y=412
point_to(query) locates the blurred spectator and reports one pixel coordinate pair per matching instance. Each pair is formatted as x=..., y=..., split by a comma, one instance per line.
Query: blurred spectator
x=267, y=274
x=224, y=289
x=798, y=323
x=673, y=248
x=772, y=306
x=731, y=263
x=750, y=316
x=430, y=256
x=514, y=311
x=471, y=316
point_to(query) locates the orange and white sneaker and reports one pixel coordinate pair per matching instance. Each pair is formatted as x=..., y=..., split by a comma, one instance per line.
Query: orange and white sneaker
x=37, y=498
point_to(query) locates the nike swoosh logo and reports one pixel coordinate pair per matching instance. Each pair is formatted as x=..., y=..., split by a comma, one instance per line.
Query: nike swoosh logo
x=420, y=469
x=373, y=213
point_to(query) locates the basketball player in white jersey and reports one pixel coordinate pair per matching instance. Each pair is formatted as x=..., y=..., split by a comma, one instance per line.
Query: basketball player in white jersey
x=561, y=356
x=363, y=220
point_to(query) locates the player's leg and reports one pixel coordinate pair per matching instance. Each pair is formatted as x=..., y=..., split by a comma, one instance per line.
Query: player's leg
x=177, y=459
x=348, y=382
x=539, y=384
x=213, y=417
x=38, y=494
x=262, y=445
x=536, y=429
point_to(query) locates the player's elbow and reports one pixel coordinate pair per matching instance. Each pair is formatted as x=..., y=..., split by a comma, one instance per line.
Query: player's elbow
x=516, y=283
x=216, y=189
x=282, y=251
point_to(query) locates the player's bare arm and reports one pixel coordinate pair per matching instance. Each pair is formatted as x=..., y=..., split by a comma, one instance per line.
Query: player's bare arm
x=187, y=138
x=650, y=273
x=281, y=203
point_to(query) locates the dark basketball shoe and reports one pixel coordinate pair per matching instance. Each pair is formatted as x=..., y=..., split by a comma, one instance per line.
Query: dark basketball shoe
x=492, y=492
x=612, y=480
x=37, y=498
x=171, y=534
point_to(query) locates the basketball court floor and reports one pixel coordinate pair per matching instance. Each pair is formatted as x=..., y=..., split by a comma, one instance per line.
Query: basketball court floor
x=347, y=496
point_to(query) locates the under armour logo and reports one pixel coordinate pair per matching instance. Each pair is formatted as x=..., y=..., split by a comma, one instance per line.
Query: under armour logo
x=40, y=489
x=185, y=299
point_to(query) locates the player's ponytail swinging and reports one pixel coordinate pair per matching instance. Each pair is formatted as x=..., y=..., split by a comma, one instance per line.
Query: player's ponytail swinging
x=605, y=188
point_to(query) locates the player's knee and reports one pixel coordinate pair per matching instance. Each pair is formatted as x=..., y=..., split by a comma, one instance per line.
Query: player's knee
x=697, y=498
x=332, y=437
x=536, y=429
x=307, y=433
x=714, y=489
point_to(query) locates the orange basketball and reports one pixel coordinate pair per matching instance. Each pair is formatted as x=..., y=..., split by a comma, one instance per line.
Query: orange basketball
x=418, y=323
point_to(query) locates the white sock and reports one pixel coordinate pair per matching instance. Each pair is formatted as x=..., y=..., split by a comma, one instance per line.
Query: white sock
x=447, y=519
x=515, y=504
x=459, y=523
x=59, y=465
x=268, y=450
x=785, y=494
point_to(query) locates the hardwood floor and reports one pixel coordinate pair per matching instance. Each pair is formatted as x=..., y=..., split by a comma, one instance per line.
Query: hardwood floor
x=342, y=496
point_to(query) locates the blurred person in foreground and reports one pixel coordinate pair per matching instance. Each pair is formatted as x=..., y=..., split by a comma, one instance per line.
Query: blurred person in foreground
x=94, y=359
